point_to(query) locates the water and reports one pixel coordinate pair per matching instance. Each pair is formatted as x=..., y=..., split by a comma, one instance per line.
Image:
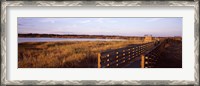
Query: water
x=21, y=39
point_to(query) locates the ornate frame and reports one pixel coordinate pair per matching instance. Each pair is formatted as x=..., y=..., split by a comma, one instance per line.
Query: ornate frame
x=4, y=4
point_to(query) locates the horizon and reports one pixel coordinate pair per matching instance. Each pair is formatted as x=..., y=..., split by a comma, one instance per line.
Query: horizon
x=92, y=35
x=157, y=27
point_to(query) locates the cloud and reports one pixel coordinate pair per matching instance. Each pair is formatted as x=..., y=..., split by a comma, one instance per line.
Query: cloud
x=86, y=21
x=153, y=19
x=105, y=20
x=25, y=25
x=47, y=20
x=112, y=21
x=61, y=32
x=100, y=20
x=73, y=25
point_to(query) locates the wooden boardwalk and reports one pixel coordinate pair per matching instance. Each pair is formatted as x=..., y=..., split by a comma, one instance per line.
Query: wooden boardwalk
x=148, y=55
x=172, y=57
x=122, y=57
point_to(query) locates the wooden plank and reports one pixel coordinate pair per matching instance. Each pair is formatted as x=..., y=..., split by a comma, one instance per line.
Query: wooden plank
x=118, y=64
x=142, y=61
x=152, y=55
x=99, y=60
x=117, y=57
x=112, y=62
x=120, y=50
x=125, y=55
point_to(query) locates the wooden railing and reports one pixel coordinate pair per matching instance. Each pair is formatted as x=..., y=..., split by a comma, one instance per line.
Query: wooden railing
x=151, y=57
x=145, y=55
x=123, y=56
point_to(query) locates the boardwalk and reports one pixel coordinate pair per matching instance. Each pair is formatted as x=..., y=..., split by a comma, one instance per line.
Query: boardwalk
x=163, y=54
x=172, y=57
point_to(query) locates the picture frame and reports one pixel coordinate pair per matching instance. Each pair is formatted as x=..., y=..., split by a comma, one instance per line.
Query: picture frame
x=4, y=52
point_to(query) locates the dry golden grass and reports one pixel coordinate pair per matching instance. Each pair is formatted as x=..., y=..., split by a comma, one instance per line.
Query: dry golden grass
x=64, y=54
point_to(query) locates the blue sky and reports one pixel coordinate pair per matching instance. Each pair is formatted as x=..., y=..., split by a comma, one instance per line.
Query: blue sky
x=102, y=26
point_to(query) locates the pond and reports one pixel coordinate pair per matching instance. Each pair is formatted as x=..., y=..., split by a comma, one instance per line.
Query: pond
x=26, y=39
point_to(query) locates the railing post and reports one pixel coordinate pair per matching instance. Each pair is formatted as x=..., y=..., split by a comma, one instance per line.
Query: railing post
x=142, y=61
x=99, y=60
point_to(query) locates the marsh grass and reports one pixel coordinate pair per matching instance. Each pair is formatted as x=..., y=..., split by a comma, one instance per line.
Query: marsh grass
x=64, y=54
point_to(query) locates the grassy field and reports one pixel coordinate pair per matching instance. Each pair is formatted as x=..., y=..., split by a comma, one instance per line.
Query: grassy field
x=64, y=54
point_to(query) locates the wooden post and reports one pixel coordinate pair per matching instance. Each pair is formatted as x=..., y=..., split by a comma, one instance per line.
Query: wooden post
x=142, y=61
x=99, y=60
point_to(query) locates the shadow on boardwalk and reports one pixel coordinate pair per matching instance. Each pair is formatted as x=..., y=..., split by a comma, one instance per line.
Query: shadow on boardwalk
x=172, y=56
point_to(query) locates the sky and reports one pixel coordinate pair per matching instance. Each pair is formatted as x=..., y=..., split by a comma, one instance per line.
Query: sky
x=102, y=26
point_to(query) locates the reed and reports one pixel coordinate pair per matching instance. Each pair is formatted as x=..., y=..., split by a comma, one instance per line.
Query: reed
x=64, y=54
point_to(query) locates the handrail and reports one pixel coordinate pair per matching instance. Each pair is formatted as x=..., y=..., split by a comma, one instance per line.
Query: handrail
x=150, y=58
x=122, y=56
